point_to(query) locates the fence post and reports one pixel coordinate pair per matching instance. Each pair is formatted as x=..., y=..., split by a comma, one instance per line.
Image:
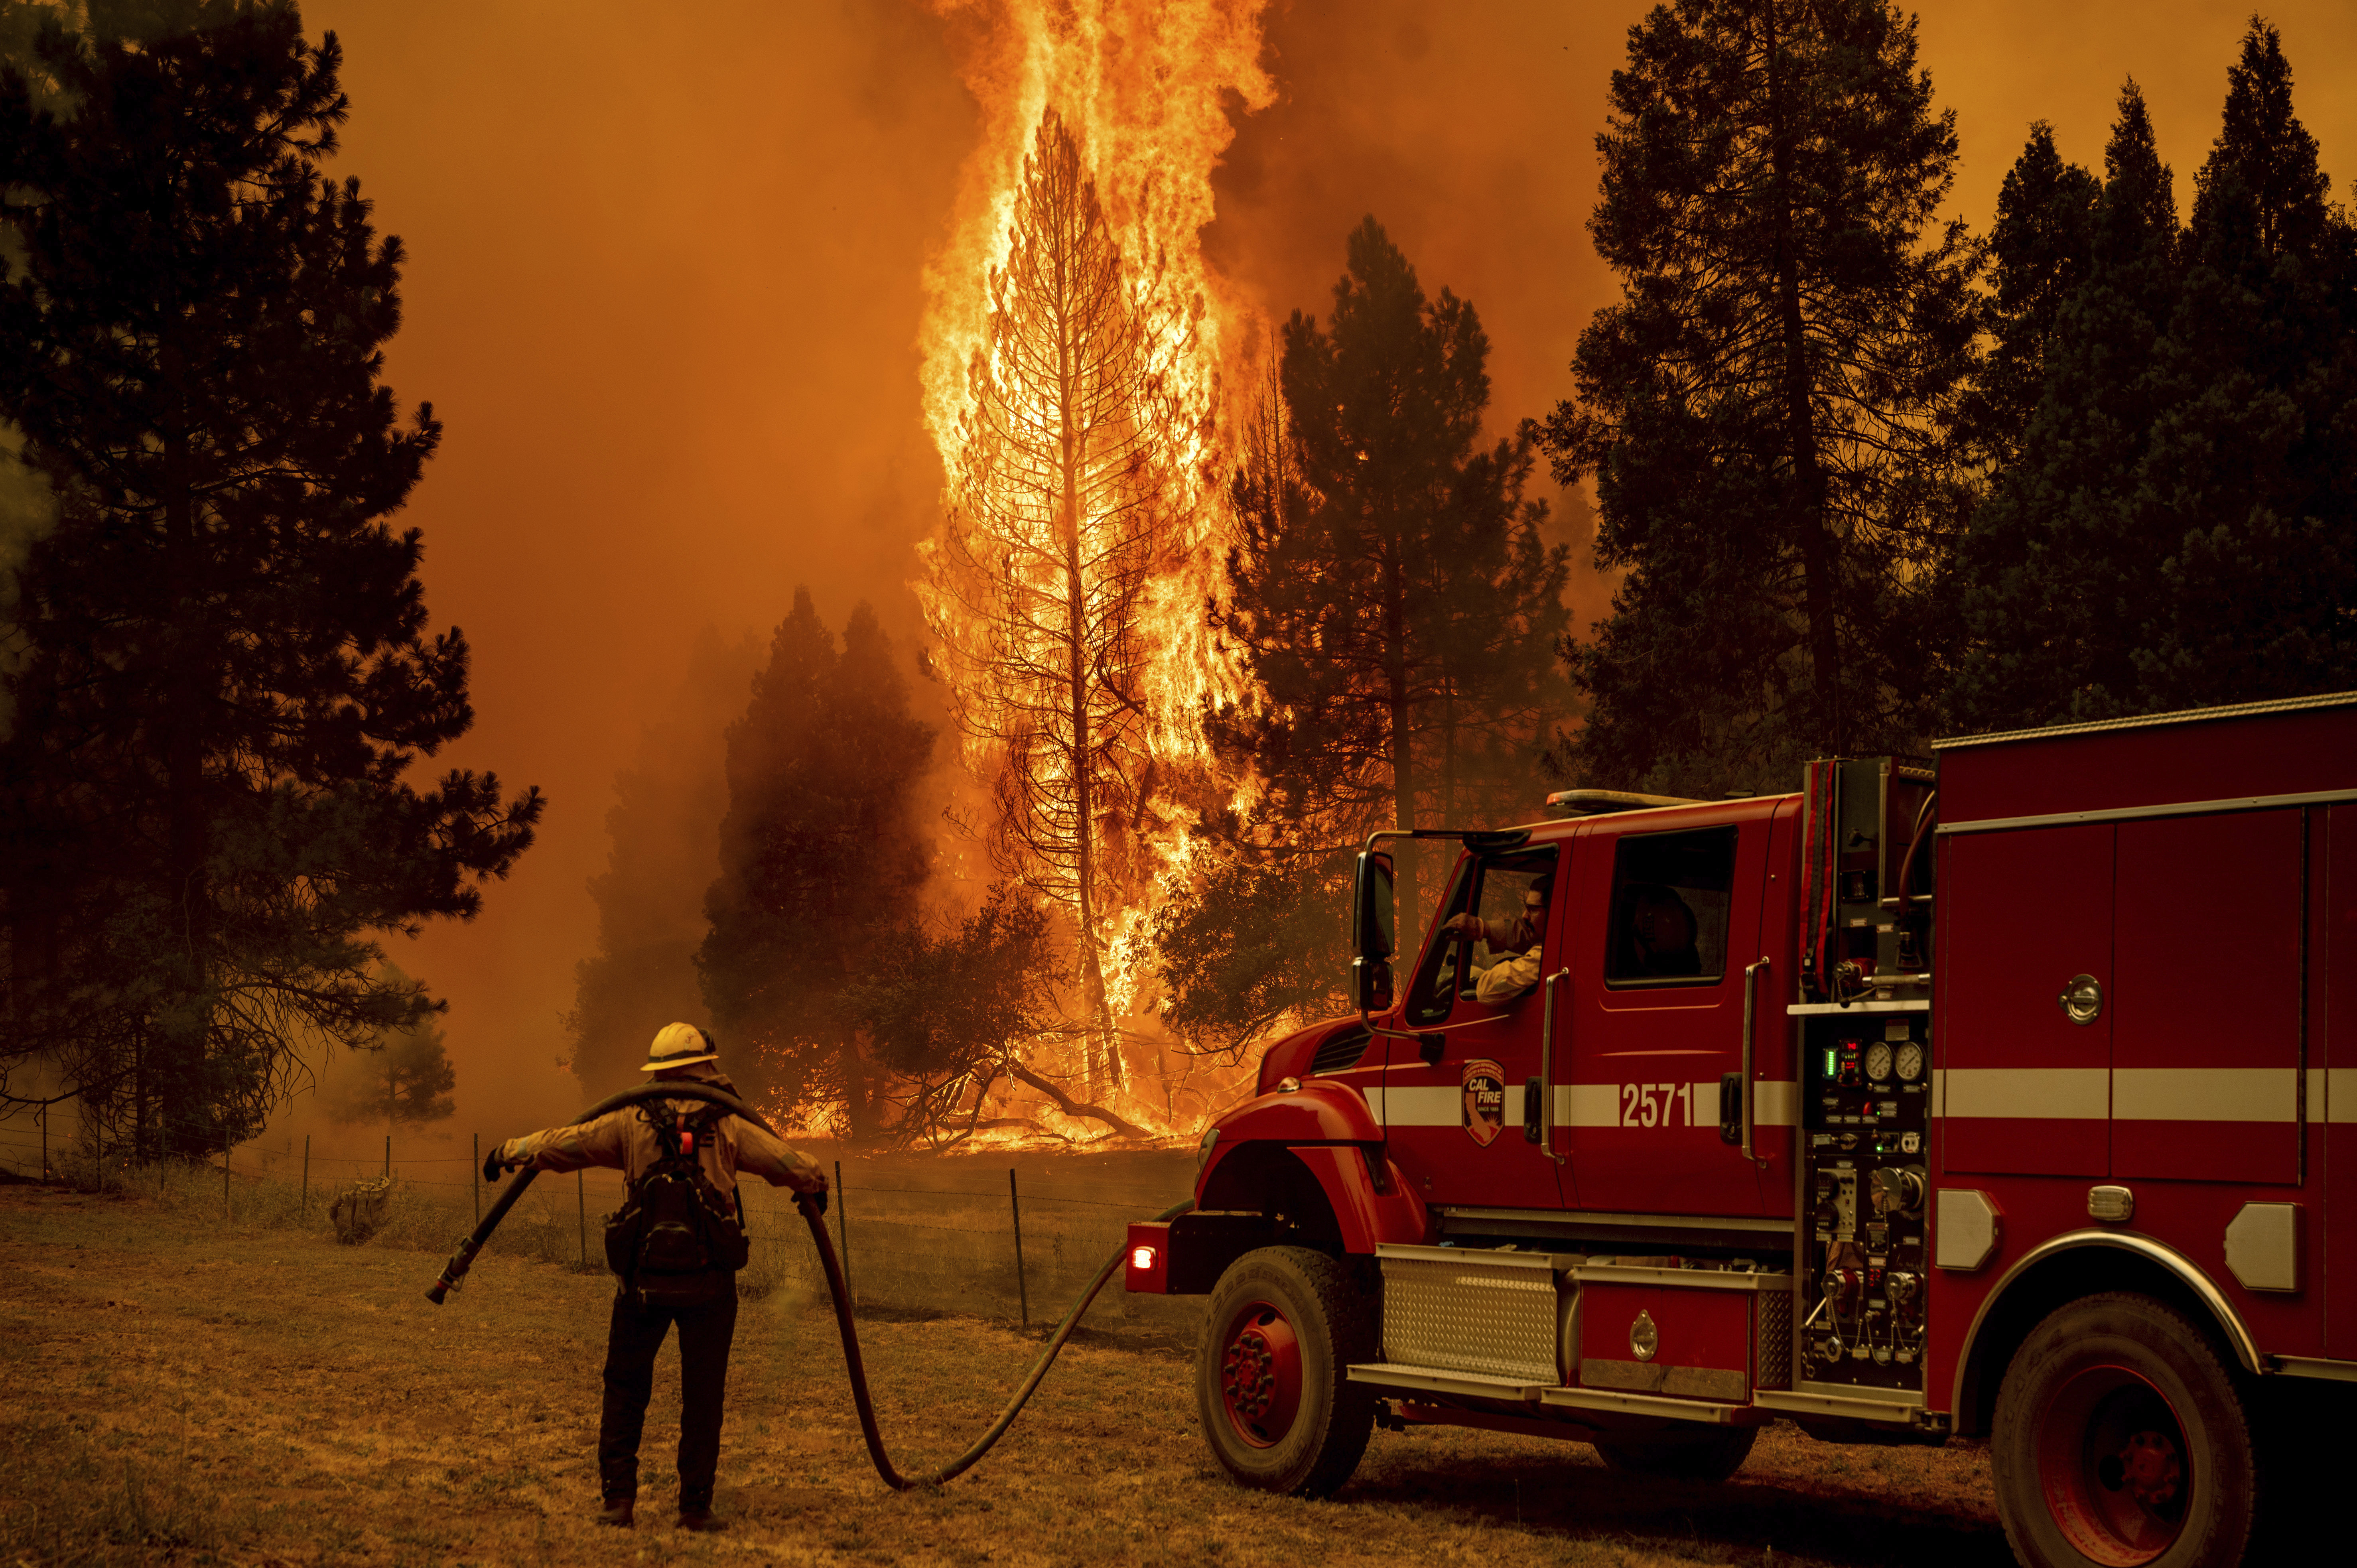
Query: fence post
x=225, y=1184
x=45, y=1142
x=843, y=1229
x=581, y=1197
x=1022, y=1291
x=472, y=1185
x=388, y=1155
x=303, y=1209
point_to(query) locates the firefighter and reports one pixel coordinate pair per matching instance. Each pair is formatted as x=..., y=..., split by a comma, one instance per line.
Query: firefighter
x=676, y=1245
x=1521, y=942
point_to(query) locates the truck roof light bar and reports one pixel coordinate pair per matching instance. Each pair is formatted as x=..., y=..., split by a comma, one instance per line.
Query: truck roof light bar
x=1597, y=802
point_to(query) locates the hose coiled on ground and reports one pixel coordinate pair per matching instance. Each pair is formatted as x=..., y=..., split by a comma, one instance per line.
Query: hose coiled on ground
x=689, y=1089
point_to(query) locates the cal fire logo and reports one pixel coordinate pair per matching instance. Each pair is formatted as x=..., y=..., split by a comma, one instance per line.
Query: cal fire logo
x=1485, y=1100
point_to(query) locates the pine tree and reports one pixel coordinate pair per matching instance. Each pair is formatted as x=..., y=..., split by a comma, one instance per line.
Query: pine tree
x=822, y=859
x=1391, y=598
x=1059, y=530
x=1770, y=414
x=664, y=831
x=2177, y=530
x=2040, y=252
x=403, y=1077
x=226, y=671
x=951, y=1016
x=2259, y=585
x=1389, y=592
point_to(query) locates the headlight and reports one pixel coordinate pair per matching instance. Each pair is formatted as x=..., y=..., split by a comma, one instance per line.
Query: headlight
x=1203, y=1150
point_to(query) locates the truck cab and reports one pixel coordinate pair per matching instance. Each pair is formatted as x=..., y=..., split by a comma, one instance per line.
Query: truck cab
x=1987, y=1092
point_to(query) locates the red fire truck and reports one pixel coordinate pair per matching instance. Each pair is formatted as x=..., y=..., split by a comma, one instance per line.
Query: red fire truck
x=2000, y=1092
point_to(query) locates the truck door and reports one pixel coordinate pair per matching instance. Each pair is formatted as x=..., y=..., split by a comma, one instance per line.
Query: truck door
x=1454, y=1103
x=1657, y=1016
x=2207, y=945
x=2023, y=1072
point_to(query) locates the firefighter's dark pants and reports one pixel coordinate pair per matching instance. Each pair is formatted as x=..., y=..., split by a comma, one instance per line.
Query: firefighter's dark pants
x=635, y=1334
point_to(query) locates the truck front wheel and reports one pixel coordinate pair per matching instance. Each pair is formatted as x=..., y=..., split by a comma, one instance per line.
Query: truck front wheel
x=1271, y=1382
x=2121, y=1439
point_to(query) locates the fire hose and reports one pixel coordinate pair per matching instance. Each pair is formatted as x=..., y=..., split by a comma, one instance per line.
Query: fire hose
x=463, y=1259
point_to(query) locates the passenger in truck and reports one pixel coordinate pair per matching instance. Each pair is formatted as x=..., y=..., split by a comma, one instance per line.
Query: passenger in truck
x=1658, y=934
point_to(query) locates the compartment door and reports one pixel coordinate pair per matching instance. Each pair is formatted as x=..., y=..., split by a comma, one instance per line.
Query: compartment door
x=2023, y=1089
x=2205, y=1054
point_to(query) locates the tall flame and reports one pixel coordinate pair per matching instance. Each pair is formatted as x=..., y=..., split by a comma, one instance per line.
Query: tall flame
x=1137, y=91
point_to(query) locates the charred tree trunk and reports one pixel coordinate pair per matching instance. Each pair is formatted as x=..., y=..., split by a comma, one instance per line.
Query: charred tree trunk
x=1060, y=486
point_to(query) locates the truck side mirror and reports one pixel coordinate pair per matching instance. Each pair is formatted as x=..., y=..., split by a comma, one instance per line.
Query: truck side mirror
x=1372, y=918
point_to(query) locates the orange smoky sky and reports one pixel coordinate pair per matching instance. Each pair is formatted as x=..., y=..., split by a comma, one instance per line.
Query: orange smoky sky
x=664, y=288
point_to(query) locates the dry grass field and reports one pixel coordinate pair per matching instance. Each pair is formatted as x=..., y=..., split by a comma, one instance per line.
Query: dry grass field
x=183, y=1391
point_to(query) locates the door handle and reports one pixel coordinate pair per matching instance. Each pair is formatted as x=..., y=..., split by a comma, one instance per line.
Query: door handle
x=1540, y=1127
x=1751, y=1007
x=2082, y=1000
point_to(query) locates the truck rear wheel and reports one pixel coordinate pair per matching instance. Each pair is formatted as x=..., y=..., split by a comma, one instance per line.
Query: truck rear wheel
x=2121, y=1439
x=1271, y=1383
x=1703, y=1454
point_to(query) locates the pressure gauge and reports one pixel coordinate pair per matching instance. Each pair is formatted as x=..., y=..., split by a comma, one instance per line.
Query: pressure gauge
x=1877, y=1062
x=1911, y=1062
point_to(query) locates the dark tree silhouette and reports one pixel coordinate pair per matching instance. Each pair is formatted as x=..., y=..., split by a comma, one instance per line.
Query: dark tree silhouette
x=1391, y=598
x=1769, y=413
x=403, y=1078
x=2177, y=527
x=822, y=858
x=663, y=834
x=1390, y=593
x=226, y=673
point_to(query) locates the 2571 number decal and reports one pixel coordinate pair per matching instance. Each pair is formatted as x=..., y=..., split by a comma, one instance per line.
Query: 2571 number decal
x=1657, y=1105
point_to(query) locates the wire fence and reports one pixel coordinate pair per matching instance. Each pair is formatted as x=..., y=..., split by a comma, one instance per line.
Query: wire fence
x=918, y=1236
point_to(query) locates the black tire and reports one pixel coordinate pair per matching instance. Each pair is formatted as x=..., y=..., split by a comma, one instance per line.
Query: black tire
x=1702, y=1454
x=2121, y=1439
x=1271, y=1383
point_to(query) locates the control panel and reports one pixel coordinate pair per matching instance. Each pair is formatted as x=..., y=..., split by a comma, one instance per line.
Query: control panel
x=1865, y=1106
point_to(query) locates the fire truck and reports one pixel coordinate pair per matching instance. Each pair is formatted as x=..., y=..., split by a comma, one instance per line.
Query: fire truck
x=2002, y=1092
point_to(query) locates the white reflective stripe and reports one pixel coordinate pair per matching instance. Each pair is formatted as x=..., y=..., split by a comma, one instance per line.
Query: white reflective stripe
x=2039, y=1093
x=2338, y=1103
x=1427, y=1107
x=1776, y=1104
x=2204, y=1094
x=1587, y=1105
x=1705, y=1104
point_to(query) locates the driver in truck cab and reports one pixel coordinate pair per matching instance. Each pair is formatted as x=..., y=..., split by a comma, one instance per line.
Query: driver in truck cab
x=1520, y=943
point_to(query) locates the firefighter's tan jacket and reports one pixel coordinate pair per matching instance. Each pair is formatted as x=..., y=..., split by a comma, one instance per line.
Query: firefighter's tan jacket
x=624, y=1141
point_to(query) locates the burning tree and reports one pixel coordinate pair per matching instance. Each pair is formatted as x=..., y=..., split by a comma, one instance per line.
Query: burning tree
x=1060, y=525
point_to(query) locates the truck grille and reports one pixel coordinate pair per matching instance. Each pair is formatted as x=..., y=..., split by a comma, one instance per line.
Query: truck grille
x=1342, y=1052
